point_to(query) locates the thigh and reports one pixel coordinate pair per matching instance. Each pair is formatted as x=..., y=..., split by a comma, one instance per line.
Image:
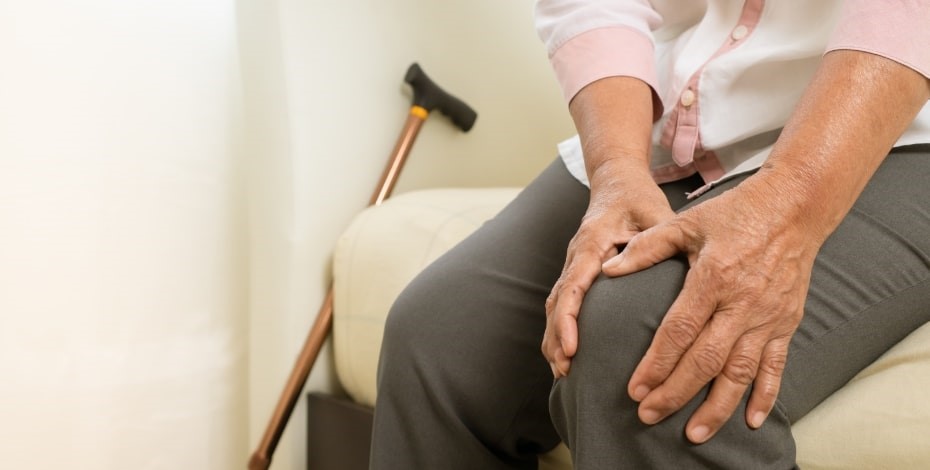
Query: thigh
x=483, y=302
x=468, y=328
x=870, y=286
x=460, y=356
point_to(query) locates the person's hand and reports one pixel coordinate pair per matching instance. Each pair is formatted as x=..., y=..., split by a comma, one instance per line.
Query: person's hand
x=743, y=298
x=624, y=201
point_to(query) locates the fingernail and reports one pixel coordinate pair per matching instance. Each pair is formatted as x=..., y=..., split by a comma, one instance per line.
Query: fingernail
x=612, y=262
x=639, y=393
x=649, y=416
x=699, y=434
x=757, y=419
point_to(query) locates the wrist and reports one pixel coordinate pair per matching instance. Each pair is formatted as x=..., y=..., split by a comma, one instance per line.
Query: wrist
x=789, y=198
x=618, y=172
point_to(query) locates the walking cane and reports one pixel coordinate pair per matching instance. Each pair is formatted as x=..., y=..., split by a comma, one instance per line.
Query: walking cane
x=427, y=97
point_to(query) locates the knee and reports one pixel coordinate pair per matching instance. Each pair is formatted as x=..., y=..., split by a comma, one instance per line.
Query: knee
x=410, y=317
x=619, y=318
x=426, y=333
x=616, y=324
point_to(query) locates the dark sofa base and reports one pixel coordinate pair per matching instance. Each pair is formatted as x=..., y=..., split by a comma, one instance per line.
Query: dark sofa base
x=338, y=434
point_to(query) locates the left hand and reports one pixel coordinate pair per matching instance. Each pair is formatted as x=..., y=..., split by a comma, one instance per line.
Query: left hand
x=743, y=298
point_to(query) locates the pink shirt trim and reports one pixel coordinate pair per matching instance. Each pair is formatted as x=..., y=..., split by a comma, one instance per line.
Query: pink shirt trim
x=606, y=52
x=897, y=30
x=682, y=133
x=672, y=172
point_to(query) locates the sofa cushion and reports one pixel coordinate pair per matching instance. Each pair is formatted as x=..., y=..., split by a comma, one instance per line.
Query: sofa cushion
x=881, y=419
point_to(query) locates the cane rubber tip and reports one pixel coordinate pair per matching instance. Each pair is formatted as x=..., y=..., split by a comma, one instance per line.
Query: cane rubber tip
x=259, y=462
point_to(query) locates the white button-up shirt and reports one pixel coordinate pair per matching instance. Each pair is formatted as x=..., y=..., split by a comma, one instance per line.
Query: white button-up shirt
x=725, y=75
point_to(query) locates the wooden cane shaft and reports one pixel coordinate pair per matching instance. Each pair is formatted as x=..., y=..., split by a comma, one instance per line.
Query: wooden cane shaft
x=261, y=459
x=399, y=155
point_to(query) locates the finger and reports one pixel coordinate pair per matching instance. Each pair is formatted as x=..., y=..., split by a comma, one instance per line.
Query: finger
x=566, y=333
x=768, y=381
x=679, y=329
x=702, y=362
x=623, y=237
x=576, y=280
x=562, y=364
x=587, y=245
x=548, y=345
x=727, y=390
x=552, y=350
x=647, y=249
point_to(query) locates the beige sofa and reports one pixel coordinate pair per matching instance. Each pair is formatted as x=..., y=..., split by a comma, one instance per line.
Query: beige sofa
x=881, y=419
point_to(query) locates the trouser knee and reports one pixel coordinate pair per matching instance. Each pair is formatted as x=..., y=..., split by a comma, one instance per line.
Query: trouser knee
x=615, y=327
x=592, y=409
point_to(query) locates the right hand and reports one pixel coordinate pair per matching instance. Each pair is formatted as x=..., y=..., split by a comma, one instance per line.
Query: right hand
x=624, y=201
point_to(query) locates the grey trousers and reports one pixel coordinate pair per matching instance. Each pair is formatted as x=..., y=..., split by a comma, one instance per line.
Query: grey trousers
x=462, y=383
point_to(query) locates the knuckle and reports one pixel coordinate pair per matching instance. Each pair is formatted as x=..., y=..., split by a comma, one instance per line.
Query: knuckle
x=590, y=242
x=768, y=392
x=680, y=331
x=544, y=347
x=581, y=242
x=675, y=401
x=718, y=409
x=741, y=369
x=773, y=364
x=550, y=301
x=708, y=362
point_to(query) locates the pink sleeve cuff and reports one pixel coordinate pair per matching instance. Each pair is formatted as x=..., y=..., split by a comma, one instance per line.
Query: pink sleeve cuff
x=897, y=30
x=606, y=52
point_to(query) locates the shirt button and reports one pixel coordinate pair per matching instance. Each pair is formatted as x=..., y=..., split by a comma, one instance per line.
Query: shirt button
x=739, y=32
x=687, y=98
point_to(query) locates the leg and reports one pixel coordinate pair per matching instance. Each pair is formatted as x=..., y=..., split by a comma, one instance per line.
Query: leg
x=868, y=291
x=462, y=383
x=870, y=285
x=591, y=407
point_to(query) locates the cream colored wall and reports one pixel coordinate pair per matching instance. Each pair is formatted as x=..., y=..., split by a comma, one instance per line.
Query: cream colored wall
x=324, y=90
x=170, y=168
x=122, y=277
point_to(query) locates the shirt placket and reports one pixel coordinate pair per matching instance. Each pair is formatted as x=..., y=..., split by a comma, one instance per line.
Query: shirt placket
x=681, y=132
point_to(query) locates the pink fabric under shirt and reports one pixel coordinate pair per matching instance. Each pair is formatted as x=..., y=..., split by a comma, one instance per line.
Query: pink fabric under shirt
x=898, y=30
x=606, y=52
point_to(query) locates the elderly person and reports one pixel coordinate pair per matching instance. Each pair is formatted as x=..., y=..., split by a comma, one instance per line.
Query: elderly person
x=740, y=226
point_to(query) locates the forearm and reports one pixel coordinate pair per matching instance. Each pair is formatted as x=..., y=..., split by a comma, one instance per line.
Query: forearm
x=850, y=116
x=613, y=117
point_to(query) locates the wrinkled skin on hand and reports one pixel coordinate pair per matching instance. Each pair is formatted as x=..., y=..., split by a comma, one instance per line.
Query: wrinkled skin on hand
x=743, y=298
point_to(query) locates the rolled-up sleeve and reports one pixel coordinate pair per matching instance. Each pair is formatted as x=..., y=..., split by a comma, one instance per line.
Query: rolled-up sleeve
x=588, y=40
x=896, y=29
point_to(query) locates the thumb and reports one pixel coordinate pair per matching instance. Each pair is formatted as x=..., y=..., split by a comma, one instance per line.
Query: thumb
x=646, y=250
